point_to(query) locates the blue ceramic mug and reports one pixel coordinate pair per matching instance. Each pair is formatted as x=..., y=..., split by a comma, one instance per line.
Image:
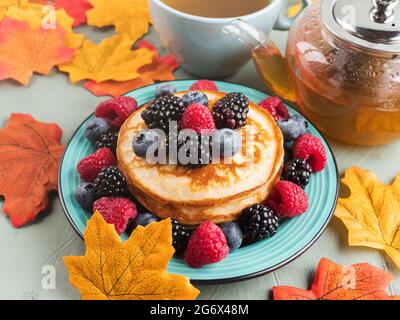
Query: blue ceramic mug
x=199, y=43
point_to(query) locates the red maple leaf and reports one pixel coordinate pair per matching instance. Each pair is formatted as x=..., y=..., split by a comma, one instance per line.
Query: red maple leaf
x=75, y=8
x=334, y=282
x=30, y=152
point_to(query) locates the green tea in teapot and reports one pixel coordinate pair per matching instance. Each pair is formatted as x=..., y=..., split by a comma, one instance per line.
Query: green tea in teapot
x=218, y=8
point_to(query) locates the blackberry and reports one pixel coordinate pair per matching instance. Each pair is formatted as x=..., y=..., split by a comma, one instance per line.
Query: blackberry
x=196, y=152
x=297, y=171
x=110, y=182
x=180, y=236
x=231, y=111
x=161, y=111
x=107, y=140
x=258, y=222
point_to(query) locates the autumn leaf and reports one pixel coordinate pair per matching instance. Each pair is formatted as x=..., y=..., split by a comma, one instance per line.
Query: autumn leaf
x=372, y=212
x=334, y=282
x=24, y=50
x=161, y=69
x=41, y=1
x=30, y=152
x=17, y=13
x=63, y=20
x=130, y=17
x=75, y=9
x=112, y=59
x=7, y=4
x=134, y=270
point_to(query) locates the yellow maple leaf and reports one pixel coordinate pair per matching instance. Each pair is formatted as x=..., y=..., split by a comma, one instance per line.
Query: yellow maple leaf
x=372, y=212
x=24, y=15
x=5, y=5
x=130, y=17
x=134, y=270
x=112, y=59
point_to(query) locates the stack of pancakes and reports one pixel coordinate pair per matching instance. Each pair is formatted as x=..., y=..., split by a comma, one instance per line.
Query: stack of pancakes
x=217, y=192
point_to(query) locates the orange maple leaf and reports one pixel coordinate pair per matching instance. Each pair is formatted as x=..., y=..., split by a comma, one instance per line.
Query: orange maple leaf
x=24, y=50
x=133, y=270
x=334, y=282
x=161, y=69
x=30, y=152
x=34, y=15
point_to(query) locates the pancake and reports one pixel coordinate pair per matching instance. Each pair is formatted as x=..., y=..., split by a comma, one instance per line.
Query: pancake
x=189, y=215
x=217, y=192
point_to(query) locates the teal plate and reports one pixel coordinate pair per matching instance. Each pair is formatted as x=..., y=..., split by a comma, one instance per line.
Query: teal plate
x=293, y=238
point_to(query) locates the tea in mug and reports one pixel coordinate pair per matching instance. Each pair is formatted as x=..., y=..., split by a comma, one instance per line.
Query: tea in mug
x=218, y=8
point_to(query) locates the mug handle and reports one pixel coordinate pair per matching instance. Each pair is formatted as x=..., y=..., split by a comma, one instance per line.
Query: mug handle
x=284, y=23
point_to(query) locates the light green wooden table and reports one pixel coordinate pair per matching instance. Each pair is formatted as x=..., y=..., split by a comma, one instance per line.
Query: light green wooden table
x=24, y=252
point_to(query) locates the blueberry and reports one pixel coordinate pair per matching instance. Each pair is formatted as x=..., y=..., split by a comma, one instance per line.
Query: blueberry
x=95, y=128
x=85, y=195
x=229, y=141
x=233, y=235
x=302, y=122
x=165, y=90
x=290, y=128
x=143, y=219
x=143, y=141
x=195, y=97
x=288, y=147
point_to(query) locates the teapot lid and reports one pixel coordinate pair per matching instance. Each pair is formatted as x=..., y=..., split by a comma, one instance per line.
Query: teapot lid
x=373, y=26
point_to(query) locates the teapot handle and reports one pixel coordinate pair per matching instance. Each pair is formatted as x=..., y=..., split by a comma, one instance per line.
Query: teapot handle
x=284, y=23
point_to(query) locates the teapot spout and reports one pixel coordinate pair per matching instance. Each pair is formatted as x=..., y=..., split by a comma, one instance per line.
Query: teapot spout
x=270, y=63
x=246, y=33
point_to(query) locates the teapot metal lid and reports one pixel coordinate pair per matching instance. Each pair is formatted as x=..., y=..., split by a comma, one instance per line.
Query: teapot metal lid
x=372, y=25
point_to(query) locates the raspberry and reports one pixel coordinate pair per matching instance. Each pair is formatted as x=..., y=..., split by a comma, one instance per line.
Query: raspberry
x=91, y=166
x=288, y=200
x=116, y=211
x=198, y=118
x=275, y=107
x=204, y=85
x=312, y=150
x=207, y=245
x=116, y=110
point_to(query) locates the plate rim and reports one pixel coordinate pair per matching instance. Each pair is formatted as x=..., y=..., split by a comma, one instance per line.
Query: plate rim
x=230, y=279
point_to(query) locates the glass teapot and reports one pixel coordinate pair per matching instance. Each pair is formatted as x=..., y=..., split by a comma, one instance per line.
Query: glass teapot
x=342, y=67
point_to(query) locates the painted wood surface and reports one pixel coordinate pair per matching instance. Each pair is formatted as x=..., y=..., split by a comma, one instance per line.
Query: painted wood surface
x=25, y=252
